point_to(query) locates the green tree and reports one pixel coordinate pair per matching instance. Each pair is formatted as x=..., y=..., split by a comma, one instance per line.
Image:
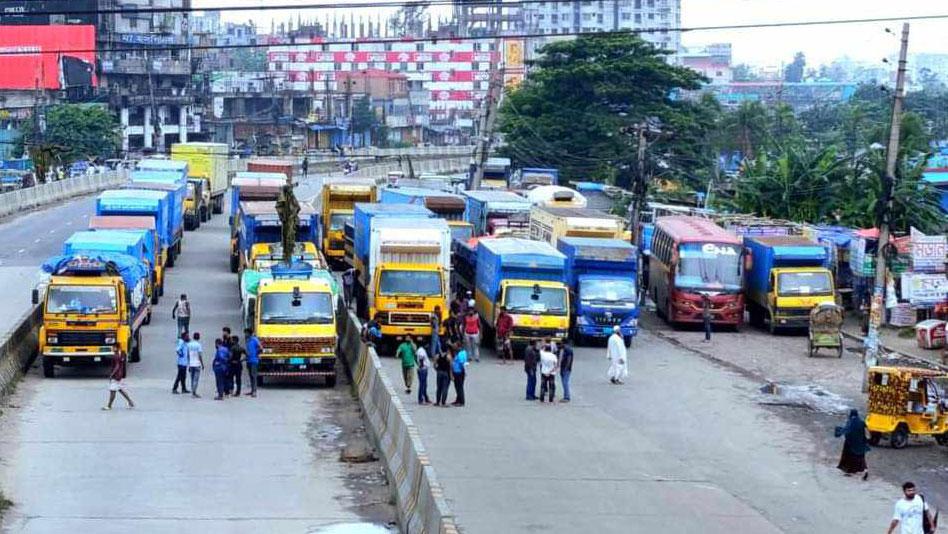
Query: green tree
x=794, y=71
x=743, y=72
x=746, y=129
x=364, y=118
x=581, y=106
x=74, y=132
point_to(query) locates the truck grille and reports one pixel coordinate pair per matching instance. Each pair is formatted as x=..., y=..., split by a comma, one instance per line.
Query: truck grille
x=522, y=331
x=795, y=312
x=296, y=346
x=605, y=320
x=408, y=318
x=82, y=339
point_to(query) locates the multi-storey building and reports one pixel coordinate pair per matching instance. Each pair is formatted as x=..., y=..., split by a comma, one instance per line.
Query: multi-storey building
x=713, y=61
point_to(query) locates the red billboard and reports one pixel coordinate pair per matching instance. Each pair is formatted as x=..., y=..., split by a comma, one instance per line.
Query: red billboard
x=34, y=56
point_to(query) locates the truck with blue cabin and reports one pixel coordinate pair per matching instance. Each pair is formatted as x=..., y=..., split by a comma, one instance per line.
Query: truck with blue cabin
x=497, y=213
x=447, y=206
x=601, y=274
x=259, y=222
x=137, y=244
x=177, y=190
x=140, y=202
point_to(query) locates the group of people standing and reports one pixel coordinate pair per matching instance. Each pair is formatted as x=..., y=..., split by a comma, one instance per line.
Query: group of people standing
x=551, y=359
x=450, y=363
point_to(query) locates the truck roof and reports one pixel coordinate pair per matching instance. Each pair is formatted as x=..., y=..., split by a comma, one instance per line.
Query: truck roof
x=598, y=248
x=686, y=229
x=782, y=240
x=254, y=208
x=121, y=222
x=133, y=193
x=493, y=195
x=585, y=213
x=790, y=248
x=406, y=210
x=152, y=164
x=407, y=223
x=85, y=238
x=515, y=246
x=102, y=263
x=149, y=185
x=245, y=178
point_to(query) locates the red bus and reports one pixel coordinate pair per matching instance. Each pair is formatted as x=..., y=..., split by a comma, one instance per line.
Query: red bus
x=691, y=257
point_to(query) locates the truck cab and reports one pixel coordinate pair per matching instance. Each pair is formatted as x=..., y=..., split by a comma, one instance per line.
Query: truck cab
x=258, y=222
x=295, y=319
x=337, y=207
x=93, y=306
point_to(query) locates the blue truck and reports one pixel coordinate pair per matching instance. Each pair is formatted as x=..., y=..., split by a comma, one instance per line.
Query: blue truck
x=497, y=212
x=149, y=203
x=137, y=244
x=788, y=276
x=176, y=188
x=601, y=274
x=175, y=167
x=529, y=279
x=259, y=222
x=447, y=206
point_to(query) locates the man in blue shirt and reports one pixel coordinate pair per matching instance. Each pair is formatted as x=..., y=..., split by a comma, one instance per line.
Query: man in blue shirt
x=458, y=370
x=220, y=365
x=182, y=353
x=253, y=359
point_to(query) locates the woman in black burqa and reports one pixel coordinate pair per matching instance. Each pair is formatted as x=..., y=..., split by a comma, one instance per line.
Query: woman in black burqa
x=855, y=446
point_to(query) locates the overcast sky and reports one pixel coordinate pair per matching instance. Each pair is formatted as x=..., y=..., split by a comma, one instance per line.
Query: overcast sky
x=770, y=46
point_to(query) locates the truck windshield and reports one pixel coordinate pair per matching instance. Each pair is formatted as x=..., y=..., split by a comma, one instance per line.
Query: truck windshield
x=545, y=300
x=709, y=266
x=607, y=290
x=426, y=283
x=337, y=221
x=818, y=283
x=311, y=308
x=81, y=299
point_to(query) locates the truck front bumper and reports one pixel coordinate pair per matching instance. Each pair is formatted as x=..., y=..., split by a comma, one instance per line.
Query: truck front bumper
x=597, y=331
x=297, y=366
x=400, y=332
x=80, y=357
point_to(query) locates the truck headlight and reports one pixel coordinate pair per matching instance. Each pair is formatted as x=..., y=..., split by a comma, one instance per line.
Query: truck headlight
x=109, y=340
x=581, y=320
x=326, y=349
x=52, y=339
x=561, y=333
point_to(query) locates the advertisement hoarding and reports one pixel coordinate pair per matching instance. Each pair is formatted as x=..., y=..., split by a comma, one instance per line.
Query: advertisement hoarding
x=29, y=58
x=45, y=12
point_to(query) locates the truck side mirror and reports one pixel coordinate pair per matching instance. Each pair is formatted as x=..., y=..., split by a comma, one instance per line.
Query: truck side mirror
x=35, y=295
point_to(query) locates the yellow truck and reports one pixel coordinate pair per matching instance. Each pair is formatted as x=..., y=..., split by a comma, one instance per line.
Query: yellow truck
x=550, y=224
x=338, y=201
x=294, y=316
x=94, y=306
x=787, y=277
x=209, y=163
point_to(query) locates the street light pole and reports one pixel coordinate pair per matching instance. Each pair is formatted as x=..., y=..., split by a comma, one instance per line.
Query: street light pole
x=877, y=306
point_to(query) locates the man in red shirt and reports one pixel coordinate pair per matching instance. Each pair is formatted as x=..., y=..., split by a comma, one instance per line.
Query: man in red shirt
x=504, y=327
x=116, y=378
x=472, y=334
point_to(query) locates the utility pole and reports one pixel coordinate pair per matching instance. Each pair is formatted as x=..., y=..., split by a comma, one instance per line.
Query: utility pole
x=486, y=130
x=877, y=307
x=640, y=186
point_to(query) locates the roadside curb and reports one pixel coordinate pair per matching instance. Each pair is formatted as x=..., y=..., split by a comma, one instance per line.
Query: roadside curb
x=18, y=348
x=886, y=348
x=422, y=507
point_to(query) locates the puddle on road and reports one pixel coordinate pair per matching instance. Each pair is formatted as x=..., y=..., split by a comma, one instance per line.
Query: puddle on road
x=807, y=396
x=354, y=528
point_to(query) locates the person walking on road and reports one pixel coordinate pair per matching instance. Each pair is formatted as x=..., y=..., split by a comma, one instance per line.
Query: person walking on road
x=618, y=357
x=548, y=367
x=182, y=355
x=434, y=347
x=406, y=353
x=348, y=282
x=472, y=334
x=912, y=514
x=531, y=356
x=253, y=359
x=117, y=380
x=452, y=329
x=220, y=366
x=237, y=353
x=504, y=328
x=566, y=367
x=442, y=367
x=855, y=447
x=182, y=312
x=459, y=370
x=195, y=362
x=706, y=316
x=421, y=356
x=305, y=166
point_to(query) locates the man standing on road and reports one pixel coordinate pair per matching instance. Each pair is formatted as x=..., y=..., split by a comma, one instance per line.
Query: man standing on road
x=116, y=380
x=434, y=347
x=305, y=166
x=443, y=381
x=348, y=281
x=182, y=352
x=530, y=358
x=504, y=327
x=195, y=363
x=706, y=316
x=459, y=369
x=472, y=334
x=617, y=356
x=566, y=367
x=912, y=513
x=236, y=365
x=221, y=365
x=182, y=312
x=253, y=359
x=421, y=355
x=548, y=368
x=406, y=353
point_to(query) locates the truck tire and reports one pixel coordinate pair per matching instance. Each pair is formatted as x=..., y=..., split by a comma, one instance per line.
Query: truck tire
x=219, y=205
x=136, y=352
x=49, y=370
x=154, y=299
x=331, y=381
x=171, y=258
x=204, y=215
x=899, y=437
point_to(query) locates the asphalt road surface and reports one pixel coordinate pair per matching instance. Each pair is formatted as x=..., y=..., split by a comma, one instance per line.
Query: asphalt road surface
x=683, y=446
x=174, y=463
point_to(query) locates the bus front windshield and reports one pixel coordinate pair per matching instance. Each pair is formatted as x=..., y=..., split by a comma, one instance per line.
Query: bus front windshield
x=708, y=267
x=520, y=299
x=284, y=308
x=81, y=299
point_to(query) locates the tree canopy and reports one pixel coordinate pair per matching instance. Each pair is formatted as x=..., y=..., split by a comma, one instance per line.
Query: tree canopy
x=77, y=132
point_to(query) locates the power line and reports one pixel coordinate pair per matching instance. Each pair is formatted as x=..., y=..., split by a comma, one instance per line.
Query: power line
x=530, y=35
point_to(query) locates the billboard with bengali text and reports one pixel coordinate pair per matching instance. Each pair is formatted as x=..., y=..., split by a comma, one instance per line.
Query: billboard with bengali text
x=33, y=56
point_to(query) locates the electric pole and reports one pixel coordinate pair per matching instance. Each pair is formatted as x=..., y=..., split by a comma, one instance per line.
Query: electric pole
x=486, y=130
x=877, y=307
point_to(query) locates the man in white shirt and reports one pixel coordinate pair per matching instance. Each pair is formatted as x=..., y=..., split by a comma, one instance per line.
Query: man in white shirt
x=548, y=366
x=618, y=357
x=195, y=362
x=910, y=512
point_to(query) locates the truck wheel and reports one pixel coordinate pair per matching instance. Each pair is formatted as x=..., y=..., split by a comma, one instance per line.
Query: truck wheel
x=771, y=324
x=219, y=205
x=136, y=355
x=171, y=258
x=331, y=381
x=899, y=437
x=875, y=438
x=204, y=216
x=154, y=300
x=49, y=370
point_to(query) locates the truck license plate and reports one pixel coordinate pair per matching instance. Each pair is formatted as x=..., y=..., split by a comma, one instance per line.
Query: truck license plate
x=65, y=359
x=297, y=361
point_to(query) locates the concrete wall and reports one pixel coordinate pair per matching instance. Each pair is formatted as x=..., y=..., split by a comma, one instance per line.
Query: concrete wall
x=14, y=202
x=18, y=347
x=419, y=498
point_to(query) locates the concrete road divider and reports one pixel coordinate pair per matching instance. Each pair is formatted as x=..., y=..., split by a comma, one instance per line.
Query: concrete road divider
x=18, y=347
x=13, y=202
x=422, y=508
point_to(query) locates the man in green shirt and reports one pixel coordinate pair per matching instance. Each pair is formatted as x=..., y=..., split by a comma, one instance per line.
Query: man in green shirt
x=406, y=353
